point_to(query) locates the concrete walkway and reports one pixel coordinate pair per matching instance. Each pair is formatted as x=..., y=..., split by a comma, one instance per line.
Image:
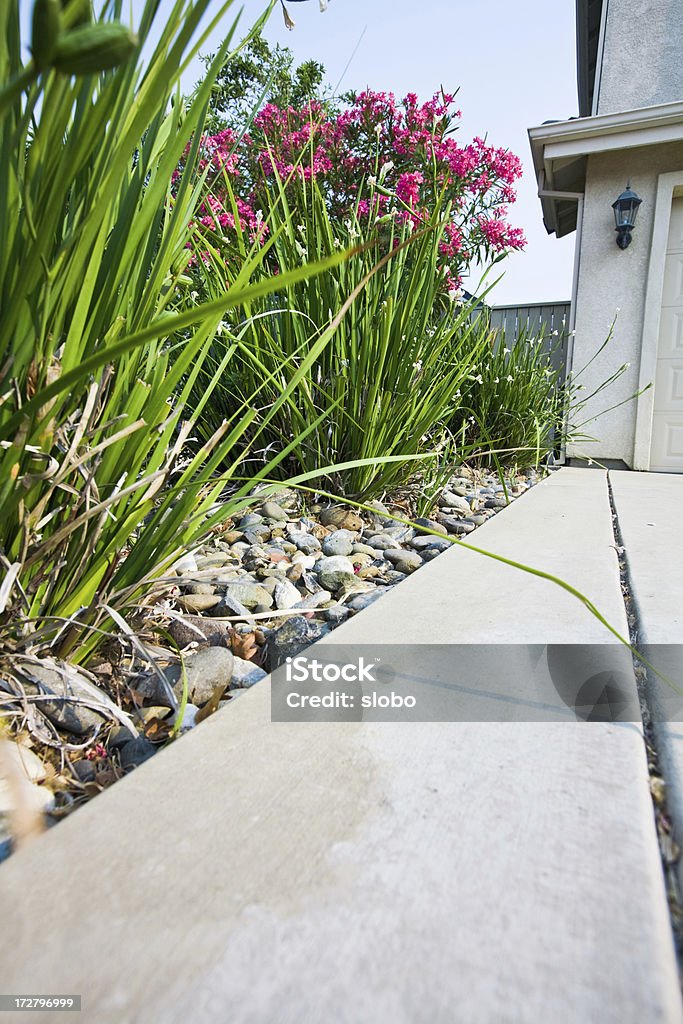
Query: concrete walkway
x=376, y=873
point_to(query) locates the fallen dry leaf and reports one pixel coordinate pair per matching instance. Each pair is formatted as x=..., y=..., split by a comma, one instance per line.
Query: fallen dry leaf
x=157, y=730
x=211, y=704
x=244, y=646
x=159, y=711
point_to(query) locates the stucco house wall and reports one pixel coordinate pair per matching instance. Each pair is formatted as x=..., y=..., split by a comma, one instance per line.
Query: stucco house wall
x=610, y=279
x=641, y=58
x=630, y=131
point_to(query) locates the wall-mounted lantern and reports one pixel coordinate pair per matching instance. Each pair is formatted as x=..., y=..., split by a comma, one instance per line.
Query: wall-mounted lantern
x=625, y=212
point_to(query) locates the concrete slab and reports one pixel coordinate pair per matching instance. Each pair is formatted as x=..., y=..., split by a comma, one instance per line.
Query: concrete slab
x=649, y=507
x=562, y=527
x=354, y=872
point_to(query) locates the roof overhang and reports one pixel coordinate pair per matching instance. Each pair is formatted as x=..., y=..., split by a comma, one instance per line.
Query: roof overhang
x=560, y=150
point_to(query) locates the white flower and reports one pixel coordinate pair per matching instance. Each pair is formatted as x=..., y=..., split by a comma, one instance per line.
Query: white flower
x=352, y=230
x=496, y=380
x=510, y=379
x=507, y=351
x=418, y=365
x=386, y=167
x=372, y=180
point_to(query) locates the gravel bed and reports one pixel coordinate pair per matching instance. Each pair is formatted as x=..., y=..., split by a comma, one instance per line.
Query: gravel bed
x=260, y=589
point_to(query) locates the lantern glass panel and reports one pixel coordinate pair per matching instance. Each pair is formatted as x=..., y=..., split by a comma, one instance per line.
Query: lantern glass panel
x=626, y=209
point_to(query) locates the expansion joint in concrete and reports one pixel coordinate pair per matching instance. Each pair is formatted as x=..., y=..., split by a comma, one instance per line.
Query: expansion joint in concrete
x=641, y=669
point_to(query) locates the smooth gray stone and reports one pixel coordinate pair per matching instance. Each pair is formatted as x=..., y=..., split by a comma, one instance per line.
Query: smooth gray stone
x=406, y=558
x=135, y=752
x=423, y=544
x=286, y=595
x=291, y=638
x=245, y=673
x=450, y=500
x=271, y=510
x=250, y=594
x=307, y=543
x=339, y=543
x=456, y=525
x=381, y=542
x=363, y=600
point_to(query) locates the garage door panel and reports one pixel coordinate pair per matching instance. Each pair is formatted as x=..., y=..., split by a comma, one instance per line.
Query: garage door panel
x=669, y=386
x=667, y=443
x=671, y=333
x=675, y=227
x=673, y=280
x=666, y=449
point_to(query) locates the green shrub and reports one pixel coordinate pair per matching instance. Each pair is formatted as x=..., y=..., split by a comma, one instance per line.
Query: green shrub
x=518, y=406
x=390, y=371
x=510, y=409
x=99, y=489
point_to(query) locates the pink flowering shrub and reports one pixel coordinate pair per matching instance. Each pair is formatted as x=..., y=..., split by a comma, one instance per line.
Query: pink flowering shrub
x=387, y=182
x=375, y=158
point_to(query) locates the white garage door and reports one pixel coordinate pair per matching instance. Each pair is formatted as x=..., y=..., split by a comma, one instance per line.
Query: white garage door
x=666, y=453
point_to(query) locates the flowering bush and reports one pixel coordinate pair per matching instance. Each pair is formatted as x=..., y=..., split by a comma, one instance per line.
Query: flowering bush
x=367, y=404
x=376, y=158
x=312, y=178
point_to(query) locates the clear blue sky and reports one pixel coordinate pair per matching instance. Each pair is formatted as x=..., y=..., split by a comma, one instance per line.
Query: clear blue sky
x=513, y=62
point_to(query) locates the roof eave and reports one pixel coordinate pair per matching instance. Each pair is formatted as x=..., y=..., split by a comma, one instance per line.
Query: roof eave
x=560, y=150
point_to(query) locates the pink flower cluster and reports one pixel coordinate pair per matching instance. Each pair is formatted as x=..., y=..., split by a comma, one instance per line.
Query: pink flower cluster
x=373, y=157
